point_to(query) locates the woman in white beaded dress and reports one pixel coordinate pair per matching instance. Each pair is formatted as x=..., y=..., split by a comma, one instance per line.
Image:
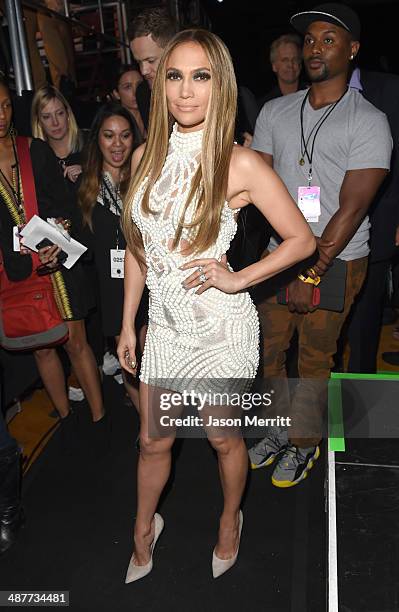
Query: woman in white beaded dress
x=190, y=181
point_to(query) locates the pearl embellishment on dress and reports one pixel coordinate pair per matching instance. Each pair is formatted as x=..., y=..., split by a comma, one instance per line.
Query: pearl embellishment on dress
x=210, y=336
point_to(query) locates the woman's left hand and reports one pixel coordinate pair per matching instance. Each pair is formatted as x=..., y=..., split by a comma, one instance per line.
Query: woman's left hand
x=211, y=273
x=73, y=172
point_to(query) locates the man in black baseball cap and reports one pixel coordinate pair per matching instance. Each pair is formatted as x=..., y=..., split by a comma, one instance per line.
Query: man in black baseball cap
x=327, y=142
x=331, y=12
x=332, y=33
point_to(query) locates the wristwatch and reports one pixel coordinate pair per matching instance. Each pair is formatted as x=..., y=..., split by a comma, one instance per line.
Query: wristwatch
x=312, y=278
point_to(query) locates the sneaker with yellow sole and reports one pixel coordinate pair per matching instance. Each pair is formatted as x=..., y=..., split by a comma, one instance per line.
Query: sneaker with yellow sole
x=266, y=450
x=294, y=465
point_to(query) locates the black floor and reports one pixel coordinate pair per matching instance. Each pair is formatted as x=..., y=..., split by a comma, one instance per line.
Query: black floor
x=367, y=482
x=80, y=515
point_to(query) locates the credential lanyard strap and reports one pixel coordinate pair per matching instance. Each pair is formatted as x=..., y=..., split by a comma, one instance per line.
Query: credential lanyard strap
x=318, y=125
x=115, y=203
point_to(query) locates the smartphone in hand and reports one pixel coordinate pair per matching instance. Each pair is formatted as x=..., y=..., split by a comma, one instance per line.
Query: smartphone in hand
x=61, y=257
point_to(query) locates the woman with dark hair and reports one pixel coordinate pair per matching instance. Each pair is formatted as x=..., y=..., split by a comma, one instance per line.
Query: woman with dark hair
x=105, y=179
x=72, y=297
x=125, y=84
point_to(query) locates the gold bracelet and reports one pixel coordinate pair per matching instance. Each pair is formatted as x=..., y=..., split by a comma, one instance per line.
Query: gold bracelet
x=309, y=279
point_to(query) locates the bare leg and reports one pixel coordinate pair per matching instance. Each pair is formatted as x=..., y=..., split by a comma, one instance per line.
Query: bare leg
x=152, y=475
x=131, y=389
x=85, y=367
x=52, y=374
x=233, y=468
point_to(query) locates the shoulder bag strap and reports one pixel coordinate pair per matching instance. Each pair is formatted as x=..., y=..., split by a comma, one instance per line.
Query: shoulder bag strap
x=28, y=182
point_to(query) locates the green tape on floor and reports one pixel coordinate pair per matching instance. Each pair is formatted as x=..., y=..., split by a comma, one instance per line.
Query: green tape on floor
x=379, y=376
x=336, y=435
x=336, y=432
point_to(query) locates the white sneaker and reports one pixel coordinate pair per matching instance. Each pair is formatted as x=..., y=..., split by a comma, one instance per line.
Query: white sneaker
x=75, y=394
x=110, y=364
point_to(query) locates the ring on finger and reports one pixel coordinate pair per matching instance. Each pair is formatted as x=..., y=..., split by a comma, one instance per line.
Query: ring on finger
x=132, y=364
x=202, y=278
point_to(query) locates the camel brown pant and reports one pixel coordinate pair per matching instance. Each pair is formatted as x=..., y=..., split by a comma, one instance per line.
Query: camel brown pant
x=318, y=333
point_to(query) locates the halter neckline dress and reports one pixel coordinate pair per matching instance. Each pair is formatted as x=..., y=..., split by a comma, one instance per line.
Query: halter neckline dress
x=193, y=342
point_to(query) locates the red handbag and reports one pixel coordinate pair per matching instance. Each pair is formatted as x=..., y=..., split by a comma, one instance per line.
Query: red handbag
x=29, y=317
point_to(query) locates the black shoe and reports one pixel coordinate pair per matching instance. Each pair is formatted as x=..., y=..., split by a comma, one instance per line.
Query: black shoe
x=101, y=436
x=69, y=431
x=391, y=357
x=12, y=517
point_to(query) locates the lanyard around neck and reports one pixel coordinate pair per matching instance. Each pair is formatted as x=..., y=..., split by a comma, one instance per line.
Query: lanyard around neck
x=112, y=196
x=316, y=128
x=114, y=199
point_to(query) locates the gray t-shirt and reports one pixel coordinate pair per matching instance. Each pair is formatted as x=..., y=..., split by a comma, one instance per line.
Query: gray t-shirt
x=355, y=136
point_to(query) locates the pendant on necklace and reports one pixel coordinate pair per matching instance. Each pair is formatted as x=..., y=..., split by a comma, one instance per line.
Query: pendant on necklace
x=301, y=162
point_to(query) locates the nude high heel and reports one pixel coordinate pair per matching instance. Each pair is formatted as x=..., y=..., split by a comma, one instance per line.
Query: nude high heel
x=220, y=566
x=135, y=572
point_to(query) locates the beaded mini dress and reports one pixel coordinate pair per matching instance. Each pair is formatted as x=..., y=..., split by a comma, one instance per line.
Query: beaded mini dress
x=191, y=338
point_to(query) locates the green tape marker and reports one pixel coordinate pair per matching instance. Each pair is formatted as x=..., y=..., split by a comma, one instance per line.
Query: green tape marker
x=336, y=436
x=336, y=433
x=380, y=376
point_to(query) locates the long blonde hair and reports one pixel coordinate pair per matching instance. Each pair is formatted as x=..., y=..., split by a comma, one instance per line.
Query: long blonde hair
x=209, y=185
x=43, y=96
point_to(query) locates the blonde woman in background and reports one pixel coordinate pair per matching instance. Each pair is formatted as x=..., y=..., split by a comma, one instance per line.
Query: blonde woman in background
x=189, y=183
x=54, y=123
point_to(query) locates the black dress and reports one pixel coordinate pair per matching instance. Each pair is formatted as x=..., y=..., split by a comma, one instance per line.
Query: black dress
x=103, y=237
x=70, y=287
x=93, y=319
x=106, y=235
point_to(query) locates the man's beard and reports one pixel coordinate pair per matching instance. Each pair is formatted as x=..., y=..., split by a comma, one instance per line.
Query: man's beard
x=324, y=75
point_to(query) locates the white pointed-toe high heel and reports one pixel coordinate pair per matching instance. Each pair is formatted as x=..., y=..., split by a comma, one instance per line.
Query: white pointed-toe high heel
x=135, y=572
x=220, y=566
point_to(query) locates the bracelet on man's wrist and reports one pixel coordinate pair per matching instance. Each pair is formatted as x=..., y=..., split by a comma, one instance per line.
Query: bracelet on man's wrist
x=312, y=278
